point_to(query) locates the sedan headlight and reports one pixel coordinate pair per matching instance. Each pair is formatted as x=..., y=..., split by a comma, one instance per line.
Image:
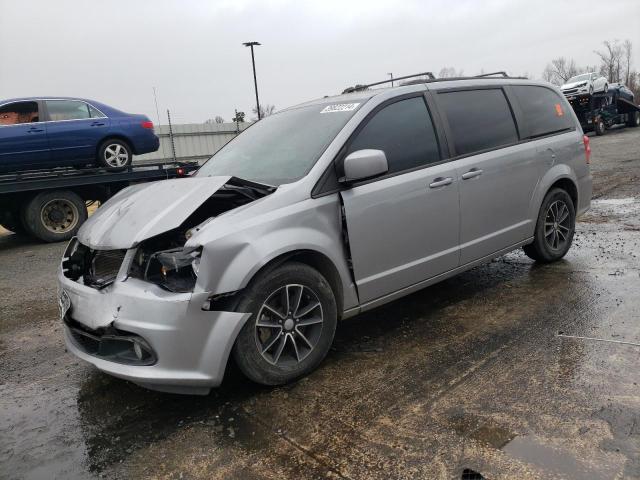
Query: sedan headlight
x=175, y=270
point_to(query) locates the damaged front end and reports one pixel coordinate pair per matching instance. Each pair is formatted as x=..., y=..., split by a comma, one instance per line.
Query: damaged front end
x=96, y=258
x=128, y=296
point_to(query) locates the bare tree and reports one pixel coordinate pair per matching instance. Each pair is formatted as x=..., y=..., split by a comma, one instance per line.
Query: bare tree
x=450, y=72
x=265, y=110
x=611, y=60
x=627, y=51
x=216, y=119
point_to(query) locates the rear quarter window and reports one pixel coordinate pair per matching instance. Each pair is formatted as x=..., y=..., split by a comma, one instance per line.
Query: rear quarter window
x=544, y=110
x=478, y=119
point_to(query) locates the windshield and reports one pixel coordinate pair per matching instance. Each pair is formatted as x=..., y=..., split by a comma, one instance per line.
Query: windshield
x=283, y=147
x=579, y=78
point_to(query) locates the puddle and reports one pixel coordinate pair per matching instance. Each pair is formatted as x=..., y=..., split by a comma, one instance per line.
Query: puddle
x=613, y=201
x=554, y=460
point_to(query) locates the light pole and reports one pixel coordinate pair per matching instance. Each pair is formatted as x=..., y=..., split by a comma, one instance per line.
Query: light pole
x=255, y=81
x=391, y=75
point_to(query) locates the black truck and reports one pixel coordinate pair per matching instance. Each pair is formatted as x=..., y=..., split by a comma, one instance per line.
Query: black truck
x=52, y=204
x=600, y=111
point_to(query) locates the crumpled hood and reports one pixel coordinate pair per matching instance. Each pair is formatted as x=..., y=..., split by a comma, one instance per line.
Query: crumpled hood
x=146, y=210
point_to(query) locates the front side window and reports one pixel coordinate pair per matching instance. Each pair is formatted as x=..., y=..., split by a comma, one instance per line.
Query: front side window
x=544, y=110
x=67, y=110
x=404, y=132
x=19, y=112
x=283, y=147
x=478, y=119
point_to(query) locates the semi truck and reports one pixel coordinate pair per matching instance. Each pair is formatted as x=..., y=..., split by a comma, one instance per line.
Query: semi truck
x=52, y=204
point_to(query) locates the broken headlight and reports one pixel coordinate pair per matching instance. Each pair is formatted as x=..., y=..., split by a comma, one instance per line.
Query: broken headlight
x=175, y=270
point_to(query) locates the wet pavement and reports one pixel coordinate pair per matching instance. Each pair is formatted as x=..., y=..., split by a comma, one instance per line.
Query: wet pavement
x=481, y=372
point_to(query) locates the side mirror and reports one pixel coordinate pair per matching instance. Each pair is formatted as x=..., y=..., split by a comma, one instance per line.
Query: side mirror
x=363, y=164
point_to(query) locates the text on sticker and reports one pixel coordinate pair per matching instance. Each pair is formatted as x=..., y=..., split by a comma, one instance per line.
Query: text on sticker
x=340, y=107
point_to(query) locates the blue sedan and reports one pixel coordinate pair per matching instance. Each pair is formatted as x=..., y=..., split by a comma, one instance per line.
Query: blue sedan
x=46, y=132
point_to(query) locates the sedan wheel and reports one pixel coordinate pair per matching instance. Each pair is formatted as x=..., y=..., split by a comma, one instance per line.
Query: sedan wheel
x=114, y=155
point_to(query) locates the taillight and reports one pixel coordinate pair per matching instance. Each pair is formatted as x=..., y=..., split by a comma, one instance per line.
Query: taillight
x=180, y=171
x=147, y=124
x=587, y=148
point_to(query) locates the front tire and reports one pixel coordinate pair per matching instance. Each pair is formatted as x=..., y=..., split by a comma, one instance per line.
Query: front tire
x=54, y=216
x=555, y=227
x=115, y=155
x=292, y=324
x=600, y=128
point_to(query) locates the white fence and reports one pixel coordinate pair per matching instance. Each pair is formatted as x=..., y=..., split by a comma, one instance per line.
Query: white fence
x=192, y=141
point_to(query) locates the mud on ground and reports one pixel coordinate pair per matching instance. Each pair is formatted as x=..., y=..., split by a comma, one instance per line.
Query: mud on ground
x=467, y=374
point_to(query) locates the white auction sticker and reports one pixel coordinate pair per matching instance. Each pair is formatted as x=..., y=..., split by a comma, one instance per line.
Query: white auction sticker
x=340, y=107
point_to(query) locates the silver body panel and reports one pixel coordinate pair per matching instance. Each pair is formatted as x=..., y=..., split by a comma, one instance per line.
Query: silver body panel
x=405, y=231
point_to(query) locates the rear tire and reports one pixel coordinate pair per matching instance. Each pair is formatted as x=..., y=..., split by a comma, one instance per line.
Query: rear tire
x=634, y=119
x=115, y=155
x=555, y=227
x=278, y=344
x=54, y=216
x=599, y=127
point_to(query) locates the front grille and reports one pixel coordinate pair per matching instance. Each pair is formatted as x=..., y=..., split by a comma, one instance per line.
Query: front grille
x=94, y=268
x=106, y=264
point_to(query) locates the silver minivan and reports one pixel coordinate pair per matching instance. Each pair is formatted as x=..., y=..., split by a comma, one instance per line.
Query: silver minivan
x=313, y=215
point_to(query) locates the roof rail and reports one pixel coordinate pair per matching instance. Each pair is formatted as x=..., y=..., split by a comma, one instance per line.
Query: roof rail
x=502, y=74
x=431, y=78
x=357, y=88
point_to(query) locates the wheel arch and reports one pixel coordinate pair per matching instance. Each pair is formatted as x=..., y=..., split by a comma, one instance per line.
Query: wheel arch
x=561, y=176
x=315, y=260
x=116, y=136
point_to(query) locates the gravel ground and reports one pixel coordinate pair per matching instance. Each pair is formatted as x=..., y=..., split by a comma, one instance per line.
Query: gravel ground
x=480, y=372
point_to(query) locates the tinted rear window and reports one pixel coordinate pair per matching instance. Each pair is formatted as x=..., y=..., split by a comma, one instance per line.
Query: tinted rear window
x=478, y=119
x=544, y=110
x=403, y=130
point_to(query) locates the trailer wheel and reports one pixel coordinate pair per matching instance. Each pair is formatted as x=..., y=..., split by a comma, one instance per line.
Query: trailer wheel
x=54, y=216
x=599, y=127
x=634, y=119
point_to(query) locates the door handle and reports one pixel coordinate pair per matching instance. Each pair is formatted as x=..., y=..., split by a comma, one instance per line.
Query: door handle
x=440, y=182
x=35, y=129
x=474, y=172
x=97, y=124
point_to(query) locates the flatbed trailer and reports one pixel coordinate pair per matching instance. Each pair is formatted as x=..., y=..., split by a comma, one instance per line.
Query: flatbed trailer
x=52, y=204
x=600, y=111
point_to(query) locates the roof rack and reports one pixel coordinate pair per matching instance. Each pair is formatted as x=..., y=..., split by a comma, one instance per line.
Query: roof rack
x=501, y=73
x=357, y=88
x=431, y=78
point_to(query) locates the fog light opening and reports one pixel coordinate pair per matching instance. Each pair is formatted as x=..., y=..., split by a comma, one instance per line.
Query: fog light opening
x=137, y=349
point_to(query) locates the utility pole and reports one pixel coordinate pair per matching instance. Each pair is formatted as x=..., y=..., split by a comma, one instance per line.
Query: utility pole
x=391, y=75
x=255, y=80
x=173, y=145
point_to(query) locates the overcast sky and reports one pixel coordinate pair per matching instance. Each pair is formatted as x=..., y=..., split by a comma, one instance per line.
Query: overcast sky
x=191, y=51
